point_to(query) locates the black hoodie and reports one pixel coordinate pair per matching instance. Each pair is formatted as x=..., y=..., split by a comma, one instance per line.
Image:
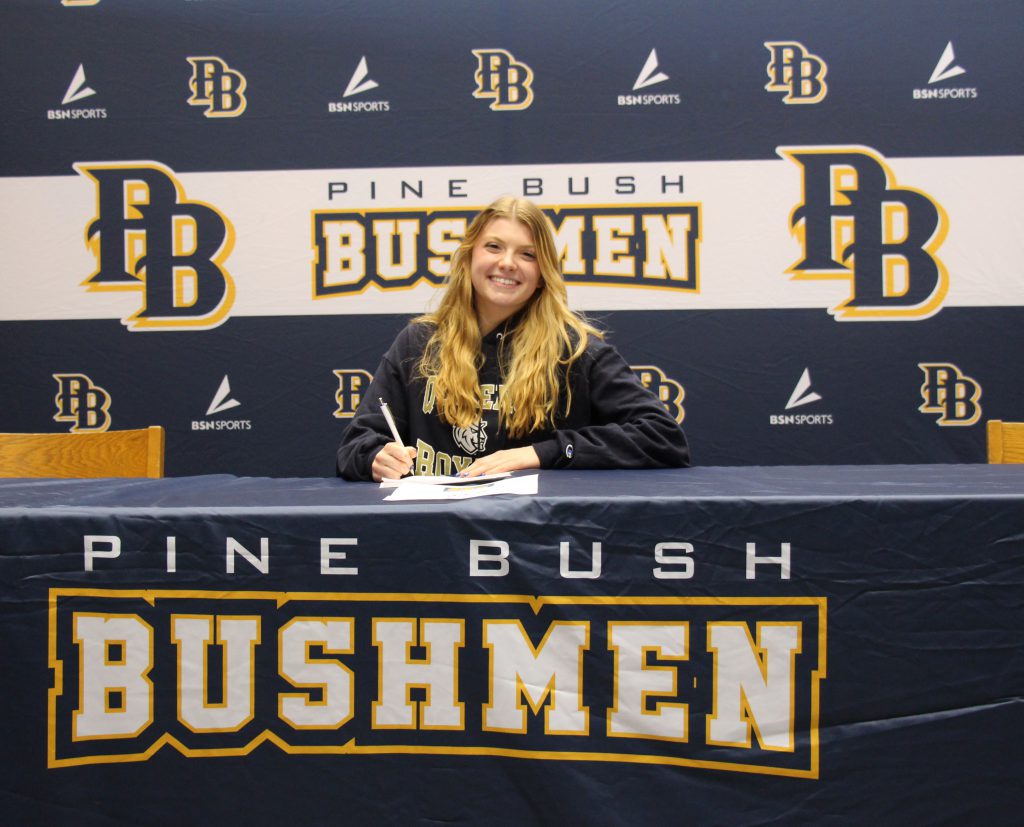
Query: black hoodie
x=614, y=421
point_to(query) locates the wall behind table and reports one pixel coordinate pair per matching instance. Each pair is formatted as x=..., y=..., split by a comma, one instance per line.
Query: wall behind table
x=203, y=190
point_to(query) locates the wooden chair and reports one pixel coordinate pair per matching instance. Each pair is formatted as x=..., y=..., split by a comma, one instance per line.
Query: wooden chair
x=1005, y=441
x=133, y=453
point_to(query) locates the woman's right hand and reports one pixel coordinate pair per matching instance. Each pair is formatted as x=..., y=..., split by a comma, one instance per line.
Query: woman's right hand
x=393, y=461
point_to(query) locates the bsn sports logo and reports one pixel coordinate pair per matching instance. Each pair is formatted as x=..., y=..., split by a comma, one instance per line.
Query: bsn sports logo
x=795, y=72
x=669, y=391
x=81, y=402
x=503, y=80
x=856, y=225
x=650, y=75
x=147, y=237
x=78, y=89
x=216, y=86
x=222, y=401
x=359, y=83
x=950, y=394
x=946, y=69
x=352, y=384
x=801, y=395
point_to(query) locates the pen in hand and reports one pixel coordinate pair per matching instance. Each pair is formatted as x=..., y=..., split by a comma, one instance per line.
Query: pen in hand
x=390, y=420
x=386, y=459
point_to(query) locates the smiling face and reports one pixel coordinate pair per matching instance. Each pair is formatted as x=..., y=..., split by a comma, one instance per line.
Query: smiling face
x=504, y=271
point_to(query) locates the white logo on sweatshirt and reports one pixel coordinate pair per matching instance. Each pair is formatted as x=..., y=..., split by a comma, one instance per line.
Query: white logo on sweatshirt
x=472, y=440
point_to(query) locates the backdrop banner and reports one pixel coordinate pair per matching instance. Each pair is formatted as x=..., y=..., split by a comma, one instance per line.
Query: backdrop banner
x=798, y=224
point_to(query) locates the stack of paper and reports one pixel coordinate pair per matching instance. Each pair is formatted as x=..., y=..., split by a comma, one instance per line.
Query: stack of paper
x=459, y=488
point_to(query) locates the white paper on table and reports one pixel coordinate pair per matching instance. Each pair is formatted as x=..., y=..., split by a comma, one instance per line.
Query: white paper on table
x=443, y=480
x=464, y=491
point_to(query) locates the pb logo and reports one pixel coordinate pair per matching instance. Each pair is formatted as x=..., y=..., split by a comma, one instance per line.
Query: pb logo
x=669, y=391
x=147, y=237
x=856, y=225
x=503, y=79
x=80, y=402
x=217, y=87
x=352, y=384
x=950, y=394
x=795, y=72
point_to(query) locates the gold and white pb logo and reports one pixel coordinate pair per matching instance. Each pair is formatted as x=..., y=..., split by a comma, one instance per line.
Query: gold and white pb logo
x=502, y=79
x=216, y=86
x=950, y=394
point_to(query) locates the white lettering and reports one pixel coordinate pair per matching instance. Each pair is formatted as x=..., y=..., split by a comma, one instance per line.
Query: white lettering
x=636, y=681
x=261, y=563
x=662, y=556
x=390, y=266
x=331, y=678
x=93, y=550
x=613, y=237
x=781, y=560
x=436, y=674
x=116, y=655
x=549, y=675
x=239, y=637
x=595, y=563
x=754, y=684
x=344, y=253
x=327, y=556
x=496, y=563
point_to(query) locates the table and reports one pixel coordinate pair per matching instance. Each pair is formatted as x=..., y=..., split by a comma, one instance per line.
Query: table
x=708, y=645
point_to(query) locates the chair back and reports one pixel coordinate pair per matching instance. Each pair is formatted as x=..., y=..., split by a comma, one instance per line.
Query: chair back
x=131, y=453
x=1005, y=441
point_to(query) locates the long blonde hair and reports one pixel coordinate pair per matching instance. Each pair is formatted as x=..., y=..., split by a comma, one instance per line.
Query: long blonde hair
x=547, y=338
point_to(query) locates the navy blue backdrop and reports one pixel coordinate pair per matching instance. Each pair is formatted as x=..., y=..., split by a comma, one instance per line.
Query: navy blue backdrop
x=848, y=288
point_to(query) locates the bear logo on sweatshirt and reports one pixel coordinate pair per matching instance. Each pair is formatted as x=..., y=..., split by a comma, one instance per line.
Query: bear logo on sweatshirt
x=472, y=440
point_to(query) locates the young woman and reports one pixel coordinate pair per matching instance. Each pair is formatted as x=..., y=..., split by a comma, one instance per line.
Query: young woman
x=504, y=376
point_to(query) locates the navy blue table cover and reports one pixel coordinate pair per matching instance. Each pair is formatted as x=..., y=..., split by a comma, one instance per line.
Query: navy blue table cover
x=905, y=581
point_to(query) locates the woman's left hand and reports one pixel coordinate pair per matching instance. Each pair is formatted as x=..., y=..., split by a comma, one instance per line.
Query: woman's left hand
x=511, y=459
